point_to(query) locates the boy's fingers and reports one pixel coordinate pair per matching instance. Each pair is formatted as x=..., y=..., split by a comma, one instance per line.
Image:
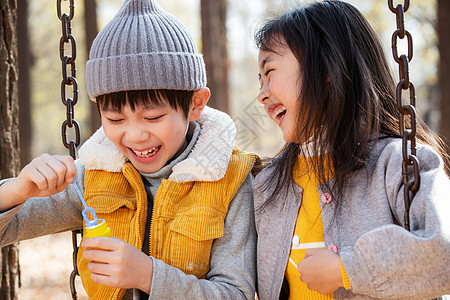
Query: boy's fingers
x=39, y=180
x=58, y=170
x=97, y=255
x=43, y=175
x=71, y=170
x=104, y=243
x=57, y=176
x=98, y=268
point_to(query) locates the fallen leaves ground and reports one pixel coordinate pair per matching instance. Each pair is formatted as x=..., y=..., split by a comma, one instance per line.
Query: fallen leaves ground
x=46, y=264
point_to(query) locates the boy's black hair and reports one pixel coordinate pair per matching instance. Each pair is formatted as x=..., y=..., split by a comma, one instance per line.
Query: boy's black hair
x=347, y=91
x=178, y=99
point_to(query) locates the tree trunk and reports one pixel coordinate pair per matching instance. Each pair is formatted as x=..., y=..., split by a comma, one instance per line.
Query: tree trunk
x=9, y=134
x=214, y=41
x=443, y=19
x=91, y=30
x=24, y=82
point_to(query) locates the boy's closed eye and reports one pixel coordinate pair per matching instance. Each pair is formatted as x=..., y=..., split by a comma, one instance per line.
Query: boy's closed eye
x=118, y=120
x=114, y=121
x=153, y=119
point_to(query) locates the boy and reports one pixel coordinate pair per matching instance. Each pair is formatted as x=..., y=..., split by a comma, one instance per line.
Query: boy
x=161, y=171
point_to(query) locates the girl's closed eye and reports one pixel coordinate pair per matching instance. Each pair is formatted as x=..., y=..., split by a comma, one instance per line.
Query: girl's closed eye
x=266, y=74
x=268, y=71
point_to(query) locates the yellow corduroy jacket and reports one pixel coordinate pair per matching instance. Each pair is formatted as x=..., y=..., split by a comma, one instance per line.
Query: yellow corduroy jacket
x=186, y=218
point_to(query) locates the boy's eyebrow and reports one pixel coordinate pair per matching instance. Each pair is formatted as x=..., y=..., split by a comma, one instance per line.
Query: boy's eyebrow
x=148, y=105
x=154, y=105
x=111, y=109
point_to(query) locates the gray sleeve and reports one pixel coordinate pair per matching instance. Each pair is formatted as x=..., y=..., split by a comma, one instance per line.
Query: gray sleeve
x=232, y=267
x=43, y=215
x=389, y=261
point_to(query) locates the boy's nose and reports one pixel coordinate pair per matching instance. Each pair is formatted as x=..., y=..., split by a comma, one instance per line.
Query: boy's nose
x=137, y=134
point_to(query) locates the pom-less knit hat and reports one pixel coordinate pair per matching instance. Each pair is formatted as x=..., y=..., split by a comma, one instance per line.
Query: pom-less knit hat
x=143, y=47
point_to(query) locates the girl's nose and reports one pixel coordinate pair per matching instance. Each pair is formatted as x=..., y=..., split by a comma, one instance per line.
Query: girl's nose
x=263, y=95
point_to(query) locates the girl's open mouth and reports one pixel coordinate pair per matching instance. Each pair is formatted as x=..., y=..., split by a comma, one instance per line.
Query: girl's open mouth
x=278, y=113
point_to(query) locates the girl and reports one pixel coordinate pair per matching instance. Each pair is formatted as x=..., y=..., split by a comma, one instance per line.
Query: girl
x=327, y=206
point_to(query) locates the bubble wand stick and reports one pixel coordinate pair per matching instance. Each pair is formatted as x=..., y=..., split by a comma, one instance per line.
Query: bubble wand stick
x=93, y=228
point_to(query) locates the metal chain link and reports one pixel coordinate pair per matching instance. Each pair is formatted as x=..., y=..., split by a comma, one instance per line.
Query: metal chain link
x=69, y=81
x=407, y=111
x=68, y=60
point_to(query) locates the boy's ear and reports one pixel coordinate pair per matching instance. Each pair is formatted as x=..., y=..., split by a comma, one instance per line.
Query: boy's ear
x=199, y=100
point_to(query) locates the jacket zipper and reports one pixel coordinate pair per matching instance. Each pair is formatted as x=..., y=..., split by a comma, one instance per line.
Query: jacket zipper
x=119, y=290
x=163, y=182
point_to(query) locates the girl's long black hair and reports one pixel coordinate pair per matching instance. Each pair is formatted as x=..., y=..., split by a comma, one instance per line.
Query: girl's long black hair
x=347, y=91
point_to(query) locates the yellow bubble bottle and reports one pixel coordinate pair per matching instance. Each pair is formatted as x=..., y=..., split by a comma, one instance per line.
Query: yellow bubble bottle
x=96, y=227
x=99, y=229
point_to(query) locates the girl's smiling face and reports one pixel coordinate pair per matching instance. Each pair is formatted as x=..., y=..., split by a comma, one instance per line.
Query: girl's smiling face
x=279, y=75
x=148, y=136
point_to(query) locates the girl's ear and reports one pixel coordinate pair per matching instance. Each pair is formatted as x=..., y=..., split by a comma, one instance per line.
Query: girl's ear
x=199, y=100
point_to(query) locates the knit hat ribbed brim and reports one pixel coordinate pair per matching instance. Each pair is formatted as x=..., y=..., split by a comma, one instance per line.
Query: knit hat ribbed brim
x=143, y=47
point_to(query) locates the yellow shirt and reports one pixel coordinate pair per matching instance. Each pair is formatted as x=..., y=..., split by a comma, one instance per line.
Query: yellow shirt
x=308, y=231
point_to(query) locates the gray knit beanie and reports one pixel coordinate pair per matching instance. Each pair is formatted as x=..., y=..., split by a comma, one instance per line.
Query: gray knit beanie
x=143, y=47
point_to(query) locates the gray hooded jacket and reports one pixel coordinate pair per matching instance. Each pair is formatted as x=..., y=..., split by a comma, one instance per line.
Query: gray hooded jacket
x=382, y=260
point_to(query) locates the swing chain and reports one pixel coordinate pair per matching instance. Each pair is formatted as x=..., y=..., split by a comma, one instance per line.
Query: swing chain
x=407, y=111
x=69, y=60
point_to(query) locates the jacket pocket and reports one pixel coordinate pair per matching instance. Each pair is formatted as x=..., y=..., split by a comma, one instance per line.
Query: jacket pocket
x=118, y=213
x=191, y=237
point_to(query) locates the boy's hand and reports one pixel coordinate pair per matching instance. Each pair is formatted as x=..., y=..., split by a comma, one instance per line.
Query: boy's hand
x=44, y=176
x=321, y=270
x=118, y=264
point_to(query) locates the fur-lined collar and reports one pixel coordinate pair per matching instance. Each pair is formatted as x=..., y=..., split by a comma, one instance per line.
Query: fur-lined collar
x=208, y=161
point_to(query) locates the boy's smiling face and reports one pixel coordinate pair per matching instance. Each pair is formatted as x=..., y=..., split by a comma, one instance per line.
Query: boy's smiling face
x=150, y=136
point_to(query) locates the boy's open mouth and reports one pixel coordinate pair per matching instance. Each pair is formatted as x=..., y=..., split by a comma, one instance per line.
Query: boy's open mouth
x=146, y=153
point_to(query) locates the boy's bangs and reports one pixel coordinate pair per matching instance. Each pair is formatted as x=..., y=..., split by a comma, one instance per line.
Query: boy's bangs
x=116, y=101
x=177, y=99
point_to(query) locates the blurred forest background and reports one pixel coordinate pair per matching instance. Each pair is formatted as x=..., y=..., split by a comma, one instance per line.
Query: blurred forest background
x=224, y=33
x=256, y=131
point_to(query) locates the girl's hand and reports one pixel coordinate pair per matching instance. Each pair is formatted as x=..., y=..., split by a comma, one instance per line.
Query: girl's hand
x=118, y=264
x=321, y=270
x=44, y=176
